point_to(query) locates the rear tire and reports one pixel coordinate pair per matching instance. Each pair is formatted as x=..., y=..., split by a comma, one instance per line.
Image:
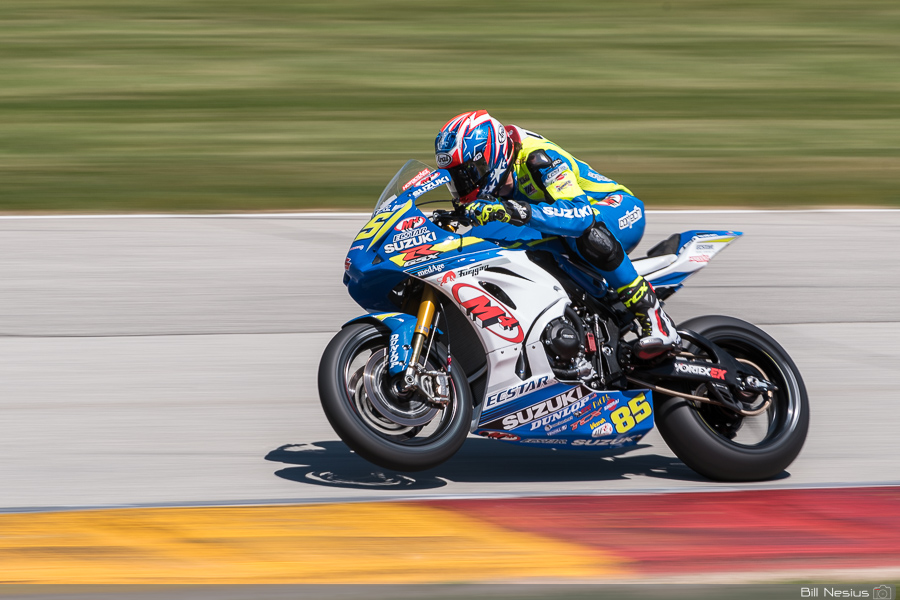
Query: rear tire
x=704, y=437
x=369, y=433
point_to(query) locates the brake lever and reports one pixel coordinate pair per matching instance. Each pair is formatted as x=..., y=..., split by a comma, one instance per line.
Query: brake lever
x=441, y=216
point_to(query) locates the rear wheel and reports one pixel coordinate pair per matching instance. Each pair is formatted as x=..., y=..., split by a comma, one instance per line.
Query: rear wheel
x=365, y=407
x=721, y=444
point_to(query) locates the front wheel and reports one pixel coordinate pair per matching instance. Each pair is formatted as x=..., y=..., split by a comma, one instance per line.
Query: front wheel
x=723, y=445
x=390, y=429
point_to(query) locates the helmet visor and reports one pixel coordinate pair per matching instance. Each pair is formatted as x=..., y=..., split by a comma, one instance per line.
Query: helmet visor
x=469, y=176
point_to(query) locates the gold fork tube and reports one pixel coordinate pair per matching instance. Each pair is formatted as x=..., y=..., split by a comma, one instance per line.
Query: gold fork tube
x=423, y=324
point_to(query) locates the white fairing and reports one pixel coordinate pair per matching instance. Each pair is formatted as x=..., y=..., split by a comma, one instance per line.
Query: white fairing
x=538, y=298
x=526, y=299
x=695, y=255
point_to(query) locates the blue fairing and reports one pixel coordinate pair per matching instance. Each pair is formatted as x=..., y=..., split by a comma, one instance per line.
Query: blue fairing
x=400, y=241
x=402, y=327
x=572, y=417
x=676, y=280
x=687, y=236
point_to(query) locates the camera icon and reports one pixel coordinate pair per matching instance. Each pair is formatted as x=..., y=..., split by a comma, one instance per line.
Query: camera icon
x=883, y=592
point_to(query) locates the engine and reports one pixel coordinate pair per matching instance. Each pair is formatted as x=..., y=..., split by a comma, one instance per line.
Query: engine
x=564, y=341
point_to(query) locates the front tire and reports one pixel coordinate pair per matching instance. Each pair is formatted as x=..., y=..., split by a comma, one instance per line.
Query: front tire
x=710, y=440
x=413, y=445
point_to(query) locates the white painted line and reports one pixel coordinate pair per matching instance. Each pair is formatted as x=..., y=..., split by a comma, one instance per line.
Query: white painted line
x=417, y=497
x=358, y=215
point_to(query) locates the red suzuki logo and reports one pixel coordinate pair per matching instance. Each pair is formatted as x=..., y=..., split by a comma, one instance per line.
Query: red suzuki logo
x=488, y=312
x=410, y=223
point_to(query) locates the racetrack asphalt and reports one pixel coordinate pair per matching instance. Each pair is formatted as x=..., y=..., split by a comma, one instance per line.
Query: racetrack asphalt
x=172, y=361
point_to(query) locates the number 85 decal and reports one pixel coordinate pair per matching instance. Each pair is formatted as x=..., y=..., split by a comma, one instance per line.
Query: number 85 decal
x=627, y=417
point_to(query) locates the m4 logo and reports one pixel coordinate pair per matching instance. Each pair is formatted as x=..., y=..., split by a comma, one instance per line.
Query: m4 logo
x=480, y=309
x=488, y=312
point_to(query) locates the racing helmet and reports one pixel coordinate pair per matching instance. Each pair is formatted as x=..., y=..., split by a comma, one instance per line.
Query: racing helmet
x=476, y=151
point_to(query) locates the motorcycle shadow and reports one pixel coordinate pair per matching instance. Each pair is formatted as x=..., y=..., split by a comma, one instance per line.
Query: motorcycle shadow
x=333, y=464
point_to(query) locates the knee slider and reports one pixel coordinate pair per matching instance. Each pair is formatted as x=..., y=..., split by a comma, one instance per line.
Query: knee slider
x=601, y=247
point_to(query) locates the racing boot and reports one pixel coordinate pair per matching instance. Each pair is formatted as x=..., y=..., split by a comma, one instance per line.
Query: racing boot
x=658, y=333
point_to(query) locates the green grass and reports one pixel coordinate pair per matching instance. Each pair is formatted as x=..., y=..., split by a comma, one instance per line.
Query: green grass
x=272, y=104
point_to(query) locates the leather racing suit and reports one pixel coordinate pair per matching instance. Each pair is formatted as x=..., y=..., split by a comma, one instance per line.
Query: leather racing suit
x=566, y=197
x=556, y=194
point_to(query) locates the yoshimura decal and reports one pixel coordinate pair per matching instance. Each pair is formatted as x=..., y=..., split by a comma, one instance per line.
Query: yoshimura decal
x=700, y=258
x=517, y=391
x=549, y=411
x=430, y=186
x=402, y=245
x=420, y=176
x=488, y=312
x=710, y=372
x=570, y=213
x=630, y=218
x=554, y=441
x=410, y=223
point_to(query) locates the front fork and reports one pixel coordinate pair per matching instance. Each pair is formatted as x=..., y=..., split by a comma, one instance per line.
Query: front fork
x=434, y=384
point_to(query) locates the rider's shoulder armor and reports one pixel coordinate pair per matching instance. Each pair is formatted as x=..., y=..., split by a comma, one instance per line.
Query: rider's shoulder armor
x=542, y=167
x=538, y=159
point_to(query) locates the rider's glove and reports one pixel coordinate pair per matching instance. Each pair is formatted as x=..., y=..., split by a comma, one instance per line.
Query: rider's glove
x=486, y=209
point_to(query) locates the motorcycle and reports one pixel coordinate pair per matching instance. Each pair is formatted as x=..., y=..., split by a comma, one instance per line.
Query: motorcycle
x=522, y=342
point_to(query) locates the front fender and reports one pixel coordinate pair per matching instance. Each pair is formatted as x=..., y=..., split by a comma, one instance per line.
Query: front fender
x=401, y=327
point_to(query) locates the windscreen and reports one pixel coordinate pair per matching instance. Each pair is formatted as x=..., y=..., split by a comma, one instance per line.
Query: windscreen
x=410, y=174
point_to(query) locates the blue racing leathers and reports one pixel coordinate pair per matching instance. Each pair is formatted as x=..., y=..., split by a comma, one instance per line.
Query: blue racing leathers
x=559, y=195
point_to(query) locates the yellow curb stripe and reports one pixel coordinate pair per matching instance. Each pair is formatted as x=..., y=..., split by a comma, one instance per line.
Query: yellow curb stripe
x=354, y=543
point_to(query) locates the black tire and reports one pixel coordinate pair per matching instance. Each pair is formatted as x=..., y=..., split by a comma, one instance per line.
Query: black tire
x=703, y=443
x=404, y=452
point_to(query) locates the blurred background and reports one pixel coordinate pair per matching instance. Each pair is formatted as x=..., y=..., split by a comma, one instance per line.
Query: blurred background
x=207, y=105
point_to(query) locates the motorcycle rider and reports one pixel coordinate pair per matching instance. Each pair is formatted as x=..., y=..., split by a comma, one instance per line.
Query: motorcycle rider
x=511, y=175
